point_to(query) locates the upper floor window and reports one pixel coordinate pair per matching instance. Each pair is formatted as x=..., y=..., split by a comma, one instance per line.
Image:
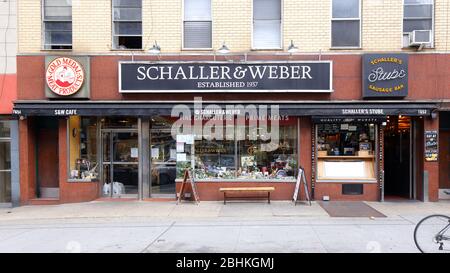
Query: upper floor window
x=197, y=24
x=346, y=23
x=127, y=24
x=57, y=21
x=266, y=24
x=418, y=15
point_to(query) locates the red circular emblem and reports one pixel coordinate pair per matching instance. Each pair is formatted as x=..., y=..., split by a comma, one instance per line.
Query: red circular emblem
x=64, y=76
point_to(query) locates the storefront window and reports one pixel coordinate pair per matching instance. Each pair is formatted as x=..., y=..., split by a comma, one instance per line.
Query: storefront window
x=5, y=129
x=83, y=148
x=248, y=159
x=346, y=151
x=272, y=163
x=5, y=161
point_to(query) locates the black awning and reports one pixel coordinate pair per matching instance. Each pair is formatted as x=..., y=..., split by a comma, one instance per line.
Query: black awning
x=125, y=108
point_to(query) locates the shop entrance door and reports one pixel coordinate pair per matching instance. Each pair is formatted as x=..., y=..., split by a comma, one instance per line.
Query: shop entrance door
x=444, y=155
x=163, y=160
x=120, y=163
x=398, y=177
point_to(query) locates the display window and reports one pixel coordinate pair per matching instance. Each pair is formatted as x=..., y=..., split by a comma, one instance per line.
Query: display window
x=247, y=158
x=346, y=151
x=83, y=165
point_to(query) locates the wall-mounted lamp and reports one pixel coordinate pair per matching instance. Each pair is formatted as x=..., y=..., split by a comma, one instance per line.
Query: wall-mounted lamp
x=292, y=48
x=155, y=49
x=224, y=49
x=434, y=114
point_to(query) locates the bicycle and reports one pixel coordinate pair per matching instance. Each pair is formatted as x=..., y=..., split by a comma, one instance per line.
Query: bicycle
x=432, y=234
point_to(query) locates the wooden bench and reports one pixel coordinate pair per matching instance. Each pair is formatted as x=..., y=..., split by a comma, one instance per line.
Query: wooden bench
x=266, y=190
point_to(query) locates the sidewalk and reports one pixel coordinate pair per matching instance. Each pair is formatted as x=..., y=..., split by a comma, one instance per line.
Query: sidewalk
x=208, y=227
x=184, y=210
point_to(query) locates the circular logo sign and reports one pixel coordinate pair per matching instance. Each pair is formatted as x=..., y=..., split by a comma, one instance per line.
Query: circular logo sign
x=64, y=76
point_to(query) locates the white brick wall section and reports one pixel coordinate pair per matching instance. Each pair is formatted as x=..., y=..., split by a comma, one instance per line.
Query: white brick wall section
x=306, y=22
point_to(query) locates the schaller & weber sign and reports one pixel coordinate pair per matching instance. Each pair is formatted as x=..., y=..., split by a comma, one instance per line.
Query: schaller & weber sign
x=145, y=77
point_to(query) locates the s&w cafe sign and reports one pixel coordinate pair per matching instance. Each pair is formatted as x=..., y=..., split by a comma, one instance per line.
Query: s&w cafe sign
x=146, y=77
x=385, y=75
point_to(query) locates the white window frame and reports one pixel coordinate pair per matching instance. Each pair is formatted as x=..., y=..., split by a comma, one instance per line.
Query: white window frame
x=113, y=31
x=433, y=10
x=346, y=19
x=182, y=31
x=281, y=29
x=43, y=21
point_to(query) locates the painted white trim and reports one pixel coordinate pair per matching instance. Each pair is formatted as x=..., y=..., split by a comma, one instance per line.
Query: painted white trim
x=359, y=47
x=182, y=30
x=43, y=42
x=114, y=35
x=281, y=30
x=431, y=45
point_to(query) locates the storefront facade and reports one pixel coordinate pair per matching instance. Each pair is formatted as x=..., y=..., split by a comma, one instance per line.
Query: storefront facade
x=359, y=102
x=112, y=138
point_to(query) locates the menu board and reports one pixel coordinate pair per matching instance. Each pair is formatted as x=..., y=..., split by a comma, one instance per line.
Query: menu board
x=431, y=146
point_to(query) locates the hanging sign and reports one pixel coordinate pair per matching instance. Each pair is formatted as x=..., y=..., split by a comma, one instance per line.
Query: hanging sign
x=145, y=77
x=431, y=146
x=385, y=75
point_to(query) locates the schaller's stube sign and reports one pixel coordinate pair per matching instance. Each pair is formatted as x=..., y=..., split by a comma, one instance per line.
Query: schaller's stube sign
x=143, y=77
x=385, y=75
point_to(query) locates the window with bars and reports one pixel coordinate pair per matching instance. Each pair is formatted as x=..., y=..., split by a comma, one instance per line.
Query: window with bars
x=346, y=24
x=266, y=24
x=127, y=24
x=57, y=24
x=417, y=15
x=197, y=24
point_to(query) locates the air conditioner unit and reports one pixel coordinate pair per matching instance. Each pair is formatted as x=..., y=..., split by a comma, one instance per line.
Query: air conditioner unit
x=420, y=37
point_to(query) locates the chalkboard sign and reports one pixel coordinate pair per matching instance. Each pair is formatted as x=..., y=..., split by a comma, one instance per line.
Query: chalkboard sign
x=188, y=176
x=431, y=146
x=301, y=178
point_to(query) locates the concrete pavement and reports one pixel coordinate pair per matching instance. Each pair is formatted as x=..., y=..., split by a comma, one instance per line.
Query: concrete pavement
x=209, y=227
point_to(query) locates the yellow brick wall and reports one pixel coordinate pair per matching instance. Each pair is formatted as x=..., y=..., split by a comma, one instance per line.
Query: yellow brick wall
x=91, y=25
x=382, y=22
x=29, y=26
x=308, y=24
x=442, y=25
x=304, y=21
x=232, y=24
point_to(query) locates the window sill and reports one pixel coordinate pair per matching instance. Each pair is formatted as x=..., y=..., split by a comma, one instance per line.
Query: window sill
x=348, y=181
x=82, y=180
x=128, y=50
x=197, y=49
x=242, y=180
x=345, y=48
x=267, y=49
x=58, y=50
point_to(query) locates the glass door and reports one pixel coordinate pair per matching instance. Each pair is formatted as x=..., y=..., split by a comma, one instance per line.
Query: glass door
x=163, y=159
x=120, y=163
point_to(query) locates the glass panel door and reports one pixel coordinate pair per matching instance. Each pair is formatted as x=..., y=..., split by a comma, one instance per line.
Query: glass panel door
x=120, y=164
x=163, y=152
x=5, y=172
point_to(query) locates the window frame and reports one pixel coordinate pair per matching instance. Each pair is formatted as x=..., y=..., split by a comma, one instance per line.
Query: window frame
x=236, y=154
x=182, y=30
x=346, y=19
x=43, y=31
x=281, y=29
x=113, y=21
x=433, y=14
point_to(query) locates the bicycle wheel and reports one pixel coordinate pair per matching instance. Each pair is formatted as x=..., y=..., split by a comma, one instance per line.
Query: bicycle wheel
x=432, y=234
